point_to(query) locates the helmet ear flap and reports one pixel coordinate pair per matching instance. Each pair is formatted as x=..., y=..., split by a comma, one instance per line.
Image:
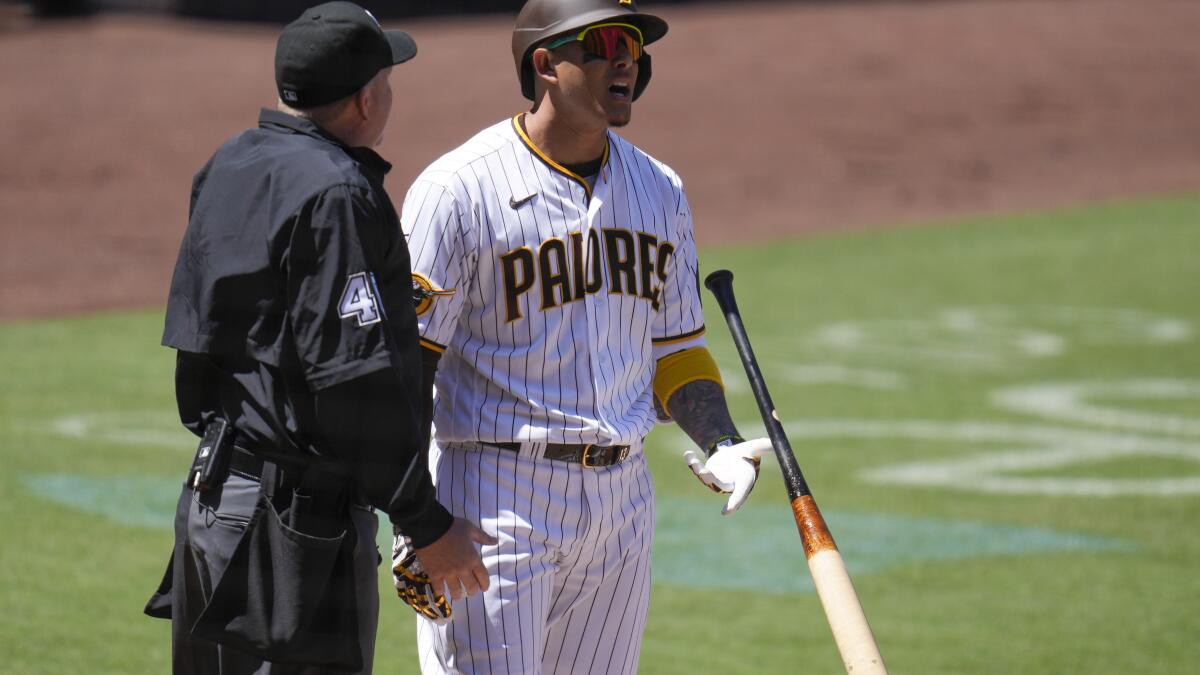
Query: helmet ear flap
x=527, y=78
x=643, y=75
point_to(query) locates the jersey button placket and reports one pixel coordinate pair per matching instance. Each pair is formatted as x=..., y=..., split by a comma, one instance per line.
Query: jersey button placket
x=597, y=306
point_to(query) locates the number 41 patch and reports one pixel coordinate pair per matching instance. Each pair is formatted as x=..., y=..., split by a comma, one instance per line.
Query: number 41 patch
x=359, y=300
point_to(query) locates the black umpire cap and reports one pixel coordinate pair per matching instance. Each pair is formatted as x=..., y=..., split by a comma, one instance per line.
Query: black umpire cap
x=332, y=51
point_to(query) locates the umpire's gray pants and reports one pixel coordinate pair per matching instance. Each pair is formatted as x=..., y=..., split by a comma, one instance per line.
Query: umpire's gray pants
x=213, y=523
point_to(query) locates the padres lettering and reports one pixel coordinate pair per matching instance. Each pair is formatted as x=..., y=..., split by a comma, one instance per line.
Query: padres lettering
x=637, y=265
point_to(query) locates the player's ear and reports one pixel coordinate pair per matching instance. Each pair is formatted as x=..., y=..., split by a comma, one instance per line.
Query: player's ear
x=543, y=66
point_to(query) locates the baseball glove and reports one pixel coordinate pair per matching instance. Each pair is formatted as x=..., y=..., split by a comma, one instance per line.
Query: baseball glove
x=412, y=584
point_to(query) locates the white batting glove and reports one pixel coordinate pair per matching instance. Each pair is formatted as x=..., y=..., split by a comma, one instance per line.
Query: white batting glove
x=733, y=468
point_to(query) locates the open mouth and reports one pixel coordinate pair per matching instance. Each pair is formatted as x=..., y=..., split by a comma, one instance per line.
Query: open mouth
x=620, y=91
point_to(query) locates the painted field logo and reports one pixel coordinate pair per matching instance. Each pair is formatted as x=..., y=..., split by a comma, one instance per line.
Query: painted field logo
x=159, y=428
x=995, y=338
x=1037, y=459
x=759, y=549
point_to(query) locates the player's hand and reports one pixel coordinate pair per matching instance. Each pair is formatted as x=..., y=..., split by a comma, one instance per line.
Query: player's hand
x=732, y=469
x=453, y=563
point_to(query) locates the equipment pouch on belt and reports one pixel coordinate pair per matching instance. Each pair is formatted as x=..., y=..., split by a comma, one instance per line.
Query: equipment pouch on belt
x=286, y=595
x=212, y=456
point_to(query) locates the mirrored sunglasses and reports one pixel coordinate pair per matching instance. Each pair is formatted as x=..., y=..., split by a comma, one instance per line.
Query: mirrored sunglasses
x=602, y=40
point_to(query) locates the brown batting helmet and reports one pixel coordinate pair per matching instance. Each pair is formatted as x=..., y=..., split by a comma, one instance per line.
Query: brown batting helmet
x=541, y=20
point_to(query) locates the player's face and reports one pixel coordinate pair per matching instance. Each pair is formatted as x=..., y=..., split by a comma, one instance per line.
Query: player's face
x=598, y=87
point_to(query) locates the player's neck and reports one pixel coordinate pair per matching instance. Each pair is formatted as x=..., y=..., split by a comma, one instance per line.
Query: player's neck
x=563, y=141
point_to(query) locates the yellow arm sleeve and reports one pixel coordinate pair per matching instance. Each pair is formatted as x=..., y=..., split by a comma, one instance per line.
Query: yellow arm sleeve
x=675, y=370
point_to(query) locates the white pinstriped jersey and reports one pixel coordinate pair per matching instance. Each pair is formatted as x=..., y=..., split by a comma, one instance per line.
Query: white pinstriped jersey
x=556, y=297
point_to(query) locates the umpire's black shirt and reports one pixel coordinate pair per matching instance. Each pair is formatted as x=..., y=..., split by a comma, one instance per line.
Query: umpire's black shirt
x=291, y=308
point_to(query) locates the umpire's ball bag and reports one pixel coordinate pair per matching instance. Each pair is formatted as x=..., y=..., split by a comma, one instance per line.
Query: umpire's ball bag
x=286, y=596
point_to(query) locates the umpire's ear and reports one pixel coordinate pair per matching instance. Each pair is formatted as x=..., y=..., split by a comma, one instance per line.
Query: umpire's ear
x=362, y=102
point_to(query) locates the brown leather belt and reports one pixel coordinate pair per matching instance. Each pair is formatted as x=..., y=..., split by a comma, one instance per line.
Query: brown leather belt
x=586, y=454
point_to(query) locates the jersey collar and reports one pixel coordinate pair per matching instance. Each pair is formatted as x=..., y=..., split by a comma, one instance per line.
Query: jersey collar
x=282, y=121
x=537, y=152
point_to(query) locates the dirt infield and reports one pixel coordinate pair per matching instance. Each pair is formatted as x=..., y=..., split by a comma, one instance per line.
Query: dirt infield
x=782, y=118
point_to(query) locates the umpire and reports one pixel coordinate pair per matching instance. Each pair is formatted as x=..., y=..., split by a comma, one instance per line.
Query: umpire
x=298, y=365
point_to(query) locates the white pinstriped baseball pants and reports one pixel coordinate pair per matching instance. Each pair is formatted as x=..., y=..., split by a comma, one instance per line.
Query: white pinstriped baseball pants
x=570, y=578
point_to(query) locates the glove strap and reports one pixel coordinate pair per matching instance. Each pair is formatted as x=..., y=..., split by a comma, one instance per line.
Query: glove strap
x=723, y=442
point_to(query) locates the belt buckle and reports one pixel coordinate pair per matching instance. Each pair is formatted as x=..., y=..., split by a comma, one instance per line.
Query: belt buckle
x=586, y=459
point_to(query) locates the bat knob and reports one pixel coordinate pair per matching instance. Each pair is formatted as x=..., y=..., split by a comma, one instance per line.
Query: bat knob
x=718, y=278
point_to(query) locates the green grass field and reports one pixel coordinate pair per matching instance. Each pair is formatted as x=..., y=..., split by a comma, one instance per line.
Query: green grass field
x=999, y=417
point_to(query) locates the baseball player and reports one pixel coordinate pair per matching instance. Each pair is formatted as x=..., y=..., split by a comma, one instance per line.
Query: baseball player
x=557, y=285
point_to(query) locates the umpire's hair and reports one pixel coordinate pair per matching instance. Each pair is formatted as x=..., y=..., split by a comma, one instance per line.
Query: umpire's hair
x=323, y=114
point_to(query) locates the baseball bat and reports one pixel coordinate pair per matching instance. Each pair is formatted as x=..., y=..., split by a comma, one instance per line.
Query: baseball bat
x=851, y=632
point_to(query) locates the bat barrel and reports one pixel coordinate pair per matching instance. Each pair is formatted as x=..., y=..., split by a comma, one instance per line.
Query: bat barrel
x=851, y=632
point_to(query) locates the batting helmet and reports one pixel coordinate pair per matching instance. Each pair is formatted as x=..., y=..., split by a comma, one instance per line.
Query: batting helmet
x=541, y=20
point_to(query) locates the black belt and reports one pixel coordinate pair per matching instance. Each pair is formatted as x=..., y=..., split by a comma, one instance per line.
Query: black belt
x=586, y=454
x=246, y=463
x=249, y=464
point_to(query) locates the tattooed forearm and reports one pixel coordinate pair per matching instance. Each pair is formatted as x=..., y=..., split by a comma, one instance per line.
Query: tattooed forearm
x=700, y=410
